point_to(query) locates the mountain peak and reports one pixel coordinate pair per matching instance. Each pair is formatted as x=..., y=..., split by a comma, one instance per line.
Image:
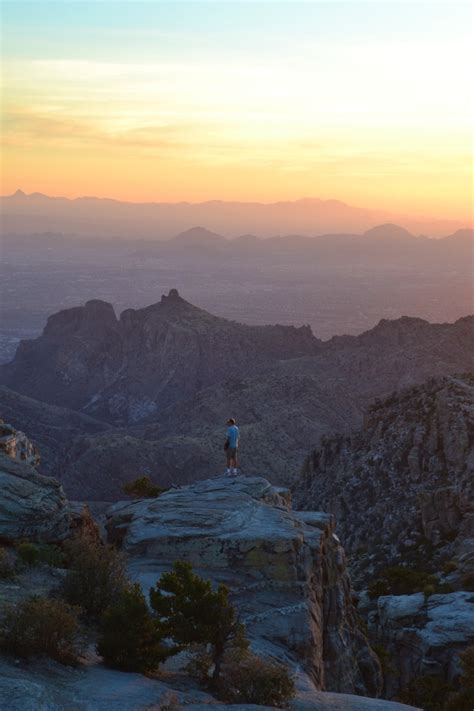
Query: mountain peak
x=198, y=235
x=173, y=297
x=388, y=231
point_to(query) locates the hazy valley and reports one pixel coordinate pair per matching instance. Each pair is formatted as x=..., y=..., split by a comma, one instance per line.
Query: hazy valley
x=338, y=284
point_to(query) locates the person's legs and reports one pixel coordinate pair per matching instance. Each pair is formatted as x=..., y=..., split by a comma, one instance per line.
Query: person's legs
x=231, y=461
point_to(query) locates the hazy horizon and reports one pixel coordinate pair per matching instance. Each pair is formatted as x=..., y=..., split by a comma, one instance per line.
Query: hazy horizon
x=363, y=103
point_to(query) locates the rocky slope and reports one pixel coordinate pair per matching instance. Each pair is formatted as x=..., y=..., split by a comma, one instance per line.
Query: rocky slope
x=408, y=474
x=286, y=570
x=44, y=687
x=128, y=368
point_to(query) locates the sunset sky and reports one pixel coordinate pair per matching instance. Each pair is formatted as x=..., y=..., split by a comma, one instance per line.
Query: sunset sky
x=366, y=102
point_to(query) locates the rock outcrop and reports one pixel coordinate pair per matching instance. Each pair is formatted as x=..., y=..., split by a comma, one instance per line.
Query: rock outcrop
x=422, y=637
x=402, y=488
x=286, y=570
x=16, y=445
x=32, y=506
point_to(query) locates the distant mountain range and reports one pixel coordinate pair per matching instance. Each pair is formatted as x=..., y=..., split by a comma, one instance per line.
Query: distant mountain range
x=90, y=216
x=158, y=384
x=386, y=244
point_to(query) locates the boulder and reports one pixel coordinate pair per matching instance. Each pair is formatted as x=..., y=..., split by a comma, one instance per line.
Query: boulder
x=32, y=506
x=286, y=571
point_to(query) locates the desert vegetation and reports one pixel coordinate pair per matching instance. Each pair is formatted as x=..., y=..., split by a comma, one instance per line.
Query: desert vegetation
x=142, y=488
x=96, y=600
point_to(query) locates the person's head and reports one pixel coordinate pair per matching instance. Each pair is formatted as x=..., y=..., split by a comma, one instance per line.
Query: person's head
x=231, y=421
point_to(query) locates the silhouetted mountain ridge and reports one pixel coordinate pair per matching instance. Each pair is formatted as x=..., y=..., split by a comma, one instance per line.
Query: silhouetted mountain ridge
x=125, y=369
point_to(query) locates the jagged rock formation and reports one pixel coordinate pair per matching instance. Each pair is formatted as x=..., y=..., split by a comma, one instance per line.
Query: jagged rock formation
x=422, y=637
x=32, y=507
x=286, y=570
x=16, y=445
x=408, y=475
x=127, y=369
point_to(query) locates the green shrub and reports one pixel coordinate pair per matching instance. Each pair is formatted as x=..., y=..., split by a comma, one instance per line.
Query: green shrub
x=467, y=582
x=96, y=577
x=427, y=692
x=28, y=553
x=384, y=658
x=142, y=488
x=467, y=664
x=449, y=567
x=52, y=555
x=7, y=565
x=402, y=581
x=461, y=701
x=40, y=554
x=40, y=627
x=169, y=702
x=192, y=613
x=130, y=638
x=248, y=679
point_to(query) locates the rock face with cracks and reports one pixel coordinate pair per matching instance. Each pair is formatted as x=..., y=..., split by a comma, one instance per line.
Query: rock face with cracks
x=286, y=570
x=32, y=506
x=423, y=636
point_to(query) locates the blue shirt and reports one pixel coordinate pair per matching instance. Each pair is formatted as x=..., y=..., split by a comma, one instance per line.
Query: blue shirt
x=233, y=436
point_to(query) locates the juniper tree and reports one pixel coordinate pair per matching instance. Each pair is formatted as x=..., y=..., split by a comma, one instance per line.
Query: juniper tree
x=192, y=613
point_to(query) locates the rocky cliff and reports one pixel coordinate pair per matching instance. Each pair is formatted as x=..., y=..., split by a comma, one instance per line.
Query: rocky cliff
x=129, y=368
x=422, y=637
x=286, y=571
x=407, y=474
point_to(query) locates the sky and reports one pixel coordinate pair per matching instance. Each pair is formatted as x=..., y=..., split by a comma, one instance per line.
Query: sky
x=366, y=102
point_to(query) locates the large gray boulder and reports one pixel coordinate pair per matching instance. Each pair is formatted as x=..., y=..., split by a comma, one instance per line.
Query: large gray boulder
x=32, y=506
x=286, y=570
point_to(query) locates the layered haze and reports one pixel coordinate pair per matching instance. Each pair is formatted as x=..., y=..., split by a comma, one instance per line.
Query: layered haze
x=367, y=103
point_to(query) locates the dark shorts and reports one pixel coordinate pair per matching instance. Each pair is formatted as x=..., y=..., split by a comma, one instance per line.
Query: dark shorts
x=231, y=453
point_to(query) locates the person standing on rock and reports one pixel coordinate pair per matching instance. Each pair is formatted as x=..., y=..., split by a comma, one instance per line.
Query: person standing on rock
x=231, y=445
